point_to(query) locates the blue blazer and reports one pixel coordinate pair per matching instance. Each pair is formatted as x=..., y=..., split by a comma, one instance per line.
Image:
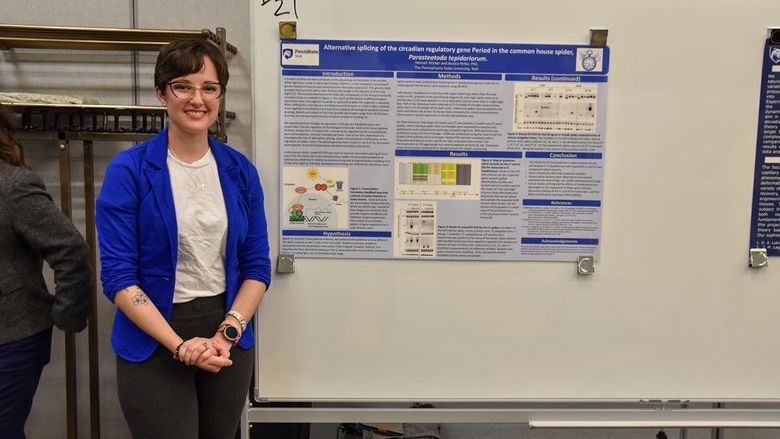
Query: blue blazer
x=137, y=231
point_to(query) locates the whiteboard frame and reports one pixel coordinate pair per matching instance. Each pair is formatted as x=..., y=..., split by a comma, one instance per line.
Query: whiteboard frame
x=535, y=417
x=760, y=280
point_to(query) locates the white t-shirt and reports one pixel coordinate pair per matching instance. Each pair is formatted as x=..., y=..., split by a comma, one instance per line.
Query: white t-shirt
x=202, y=222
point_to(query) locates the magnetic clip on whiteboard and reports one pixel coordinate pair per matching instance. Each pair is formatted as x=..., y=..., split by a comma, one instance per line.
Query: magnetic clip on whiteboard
x=288, y=30
x=598, y=37
x=758, y=258
x=586, y=265
x=285, y=263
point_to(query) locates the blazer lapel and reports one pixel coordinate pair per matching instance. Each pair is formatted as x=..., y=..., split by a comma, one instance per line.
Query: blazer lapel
x=156, y=170
x=229, y=180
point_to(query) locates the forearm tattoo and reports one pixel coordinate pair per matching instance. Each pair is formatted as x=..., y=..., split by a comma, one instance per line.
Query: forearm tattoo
x=140, y=298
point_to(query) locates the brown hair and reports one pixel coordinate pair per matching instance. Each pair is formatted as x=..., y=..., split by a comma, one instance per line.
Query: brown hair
x=11, y=151
x=183, y=57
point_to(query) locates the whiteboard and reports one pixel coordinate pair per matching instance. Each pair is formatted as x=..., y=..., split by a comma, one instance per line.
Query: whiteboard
x=673, y=310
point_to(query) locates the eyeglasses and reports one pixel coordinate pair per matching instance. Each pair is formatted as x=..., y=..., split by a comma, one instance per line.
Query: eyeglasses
x=185, y=90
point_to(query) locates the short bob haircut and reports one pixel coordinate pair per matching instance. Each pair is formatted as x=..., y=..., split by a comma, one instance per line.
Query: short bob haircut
x=183, y=57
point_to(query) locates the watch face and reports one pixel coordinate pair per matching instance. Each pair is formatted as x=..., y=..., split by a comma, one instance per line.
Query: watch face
x=231, y=332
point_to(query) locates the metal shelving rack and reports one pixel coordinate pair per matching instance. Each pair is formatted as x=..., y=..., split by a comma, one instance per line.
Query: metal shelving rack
x=87, y=124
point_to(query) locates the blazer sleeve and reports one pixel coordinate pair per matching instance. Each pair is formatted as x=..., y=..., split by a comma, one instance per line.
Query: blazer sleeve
x=54, y=238
x=253, y=259
x=116, y=219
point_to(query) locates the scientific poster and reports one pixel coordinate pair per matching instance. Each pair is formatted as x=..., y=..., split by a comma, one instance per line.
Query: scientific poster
x=430, y=150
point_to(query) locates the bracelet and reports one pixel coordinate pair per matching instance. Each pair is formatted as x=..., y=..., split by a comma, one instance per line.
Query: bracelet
x=236, y=315
x=176, y=353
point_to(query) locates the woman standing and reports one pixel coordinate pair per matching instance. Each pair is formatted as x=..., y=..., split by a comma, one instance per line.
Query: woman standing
x=32, y=229
x=184, y=254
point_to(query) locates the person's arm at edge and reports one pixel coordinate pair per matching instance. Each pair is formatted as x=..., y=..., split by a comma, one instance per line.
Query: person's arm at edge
x=54, y=237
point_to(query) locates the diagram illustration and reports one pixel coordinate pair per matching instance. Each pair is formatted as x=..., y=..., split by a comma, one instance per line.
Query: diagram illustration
x=315, y=198
x=433, y=178
x=415, y=229
x=555, y=106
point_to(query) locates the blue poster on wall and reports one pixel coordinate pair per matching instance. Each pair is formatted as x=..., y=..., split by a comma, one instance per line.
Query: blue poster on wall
x=765, y=219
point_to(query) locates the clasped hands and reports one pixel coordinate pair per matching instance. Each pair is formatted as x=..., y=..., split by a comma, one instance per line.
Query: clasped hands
x=209, y=354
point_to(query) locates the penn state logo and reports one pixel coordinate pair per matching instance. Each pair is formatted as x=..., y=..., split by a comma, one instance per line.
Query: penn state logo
x=774, y=55
x=287, y=53
x=589, y=62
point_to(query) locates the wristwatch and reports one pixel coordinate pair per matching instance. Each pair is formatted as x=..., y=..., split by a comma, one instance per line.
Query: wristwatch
x=231, y=333
x=239, y=318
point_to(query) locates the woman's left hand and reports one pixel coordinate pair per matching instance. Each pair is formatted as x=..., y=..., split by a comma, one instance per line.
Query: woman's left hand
x=193, y=349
